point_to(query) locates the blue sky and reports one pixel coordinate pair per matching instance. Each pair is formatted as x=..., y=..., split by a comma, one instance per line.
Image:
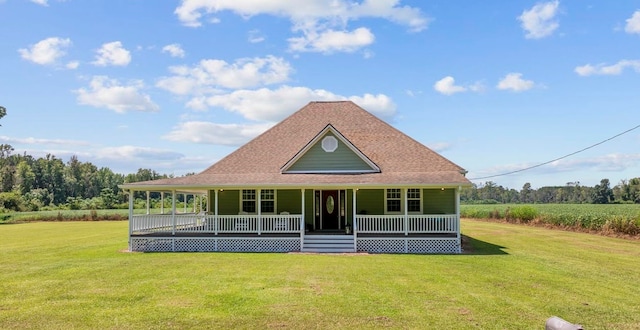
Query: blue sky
x=495, y=86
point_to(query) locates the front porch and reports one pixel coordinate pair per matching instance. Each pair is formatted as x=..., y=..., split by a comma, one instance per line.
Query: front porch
x=436, y=233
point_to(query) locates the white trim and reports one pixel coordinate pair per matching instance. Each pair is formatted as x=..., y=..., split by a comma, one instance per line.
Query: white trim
x=258, y=200
x=329, y=143
x=386, y=210
x=314, y=141
x=328, y=186
x=404, y=201
x=334, y=171
x=420, y=190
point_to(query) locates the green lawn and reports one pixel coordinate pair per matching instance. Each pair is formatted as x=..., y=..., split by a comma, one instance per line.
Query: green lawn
x=74, y=275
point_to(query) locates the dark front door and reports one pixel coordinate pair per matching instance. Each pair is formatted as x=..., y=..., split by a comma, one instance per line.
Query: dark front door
x=330, y=209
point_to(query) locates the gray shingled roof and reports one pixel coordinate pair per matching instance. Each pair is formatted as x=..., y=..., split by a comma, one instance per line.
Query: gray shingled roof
x=401, y=159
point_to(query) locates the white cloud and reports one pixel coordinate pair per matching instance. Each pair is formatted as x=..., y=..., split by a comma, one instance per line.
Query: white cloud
x=109, y=93
x=603, y=69
x=174, y=50
x=213, y=133
x=41, y=2
x=539, y=21
x=273, y=105
x=112, y=53
x=514, y=82
x=447, y=86
x=46, y=51
x=609, y=163
x=330, y=41
x=255, y=36
x=32, y=140
x=477, y=87
x=380, y=104
x=440, y=146
x=633, y=23
x=72, y=65
x=137, y=153
x=209, y=75
x=322, y=23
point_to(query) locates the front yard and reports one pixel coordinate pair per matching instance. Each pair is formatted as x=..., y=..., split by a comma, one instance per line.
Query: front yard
x=76, y=275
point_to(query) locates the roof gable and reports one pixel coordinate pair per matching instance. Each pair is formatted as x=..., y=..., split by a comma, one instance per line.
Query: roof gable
x=330, y=152
x=400, y=159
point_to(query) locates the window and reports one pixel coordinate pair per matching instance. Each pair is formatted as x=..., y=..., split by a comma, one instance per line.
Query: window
x=267, y=201
x=249, y=200
x=394, y=200
x=413, y=200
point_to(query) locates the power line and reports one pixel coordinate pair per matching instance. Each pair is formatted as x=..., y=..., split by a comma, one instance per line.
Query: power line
x=559, y=158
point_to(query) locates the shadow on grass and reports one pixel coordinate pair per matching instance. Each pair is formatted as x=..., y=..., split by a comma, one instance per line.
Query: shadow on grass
x=474, y=246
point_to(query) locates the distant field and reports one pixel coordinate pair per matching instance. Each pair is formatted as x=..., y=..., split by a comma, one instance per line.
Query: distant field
x=74, y=275
x=70, y=215
x=619, y=218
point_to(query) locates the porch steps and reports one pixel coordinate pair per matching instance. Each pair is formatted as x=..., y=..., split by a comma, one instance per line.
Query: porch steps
x=328, y=243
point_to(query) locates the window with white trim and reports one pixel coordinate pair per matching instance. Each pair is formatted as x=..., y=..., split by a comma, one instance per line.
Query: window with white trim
x=414, y=202
x=267, y=201
x=248, y=203
x=393, y=200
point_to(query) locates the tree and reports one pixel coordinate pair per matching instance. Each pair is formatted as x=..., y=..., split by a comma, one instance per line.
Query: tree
x=24, y=178
x=602, y=193
x=526, y=194
x=3, y=112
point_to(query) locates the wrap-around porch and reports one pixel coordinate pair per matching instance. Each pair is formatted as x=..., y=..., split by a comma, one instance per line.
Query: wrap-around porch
x=396, y=220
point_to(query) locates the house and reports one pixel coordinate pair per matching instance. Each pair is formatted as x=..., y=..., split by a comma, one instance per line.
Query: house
x=331, y=177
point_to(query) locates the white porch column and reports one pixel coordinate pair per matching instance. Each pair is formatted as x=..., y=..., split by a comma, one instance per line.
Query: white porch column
x=130, y=216
x=406, y=211
x=148, y=202
x=162, y=202
x=302, y=220
x=458, y=210
x=173, y=211
x=355, y=224
x=215, y=212
x=259, y=207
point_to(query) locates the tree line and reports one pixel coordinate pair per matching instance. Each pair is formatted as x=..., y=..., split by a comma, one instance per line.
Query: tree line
x=626, y=191
x=30, y=184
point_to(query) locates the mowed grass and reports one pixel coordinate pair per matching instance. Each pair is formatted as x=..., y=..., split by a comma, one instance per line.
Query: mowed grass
x=75, y=275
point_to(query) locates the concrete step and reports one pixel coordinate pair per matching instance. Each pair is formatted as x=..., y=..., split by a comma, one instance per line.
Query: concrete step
x=328, y=245
x=333, y=237
x=328, y=241
x=324, y=250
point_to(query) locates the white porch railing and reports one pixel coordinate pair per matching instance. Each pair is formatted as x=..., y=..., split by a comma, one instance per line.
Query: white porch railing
x=193, y=223
x=154, y=223
x=419, y=223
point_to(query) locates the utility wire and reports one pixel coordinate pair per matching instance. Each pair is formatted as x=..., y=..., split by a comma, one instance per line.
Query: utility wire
x=559, y=158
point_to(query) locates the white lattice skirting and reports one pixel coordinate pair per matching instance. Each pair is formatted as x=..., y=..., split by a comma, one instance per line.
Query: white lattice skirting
x=181, y=244
x=409, y=245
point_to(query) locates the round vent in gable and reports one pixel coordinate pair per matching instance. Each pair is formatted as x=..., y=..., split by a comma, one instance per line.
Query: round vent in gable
x=329, y=144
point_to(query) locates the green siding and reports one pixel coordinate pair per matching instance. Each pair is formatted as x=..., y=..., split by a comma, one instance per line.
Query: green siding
x=228, y=202
x=342, y=159
x=370, y=200
x=308, y=207
x=437, y=201
x=349, y=208
x=289, y=201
